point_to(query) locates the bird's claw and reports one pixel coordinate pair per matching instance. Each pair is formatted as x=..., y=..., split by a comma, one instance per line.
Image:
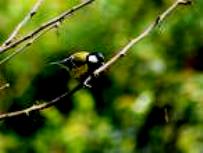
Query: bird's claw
x=86, y=83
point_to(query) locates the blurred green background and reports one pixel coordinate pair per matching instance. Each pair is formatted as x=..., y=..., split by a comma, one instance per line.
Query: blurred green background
x=151, y=101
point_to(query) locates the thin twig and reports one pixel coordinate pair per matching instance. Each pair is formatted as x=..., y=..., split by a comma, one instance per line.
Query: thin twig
x=32, y=12
x=137, y=39
x=39, y=107
x=120, y=54
x=27, y=44
x=59, y=19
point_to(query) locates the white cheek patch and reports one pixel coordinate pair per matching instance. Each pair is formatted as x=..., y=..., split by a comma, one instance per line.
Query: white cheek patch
x=93, y=59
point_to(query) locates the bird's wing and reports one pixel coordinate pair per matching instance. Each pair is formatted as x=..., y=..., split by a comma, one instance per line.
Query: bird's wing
x=79, y=58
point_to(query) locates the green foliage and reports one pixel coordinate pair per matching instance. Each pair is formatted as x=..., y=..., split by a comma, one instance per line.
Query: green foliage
x=150, y=101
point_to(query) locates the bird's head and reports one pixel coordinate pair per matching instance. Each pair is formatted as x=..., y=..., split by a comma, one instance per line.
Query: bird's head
x=95, y=60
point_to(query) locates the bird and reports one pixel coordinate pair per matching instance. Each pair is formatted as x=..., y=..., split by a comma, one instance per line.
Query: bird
x=82, y=64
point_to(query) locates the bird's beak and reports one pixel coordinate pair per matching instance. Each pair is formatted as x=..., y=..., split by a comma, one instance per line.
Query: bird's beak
x=63, y=61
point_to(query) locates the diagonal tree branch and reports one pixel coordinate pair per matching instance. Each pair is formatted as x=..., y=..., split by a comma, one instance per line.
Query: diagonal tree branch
x=39, y=107
x=114, y=59
x=137, y=39
x=32, y=12
x=57, y=20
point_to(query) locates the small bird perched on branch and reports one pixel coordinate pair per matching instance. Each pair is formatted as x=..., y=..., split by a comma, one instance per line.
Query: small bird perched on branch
x=82, y=64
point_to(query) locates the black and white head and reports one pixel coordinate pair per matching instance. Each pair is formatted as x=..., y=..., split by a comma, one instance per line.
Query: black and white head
x=95, y=60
